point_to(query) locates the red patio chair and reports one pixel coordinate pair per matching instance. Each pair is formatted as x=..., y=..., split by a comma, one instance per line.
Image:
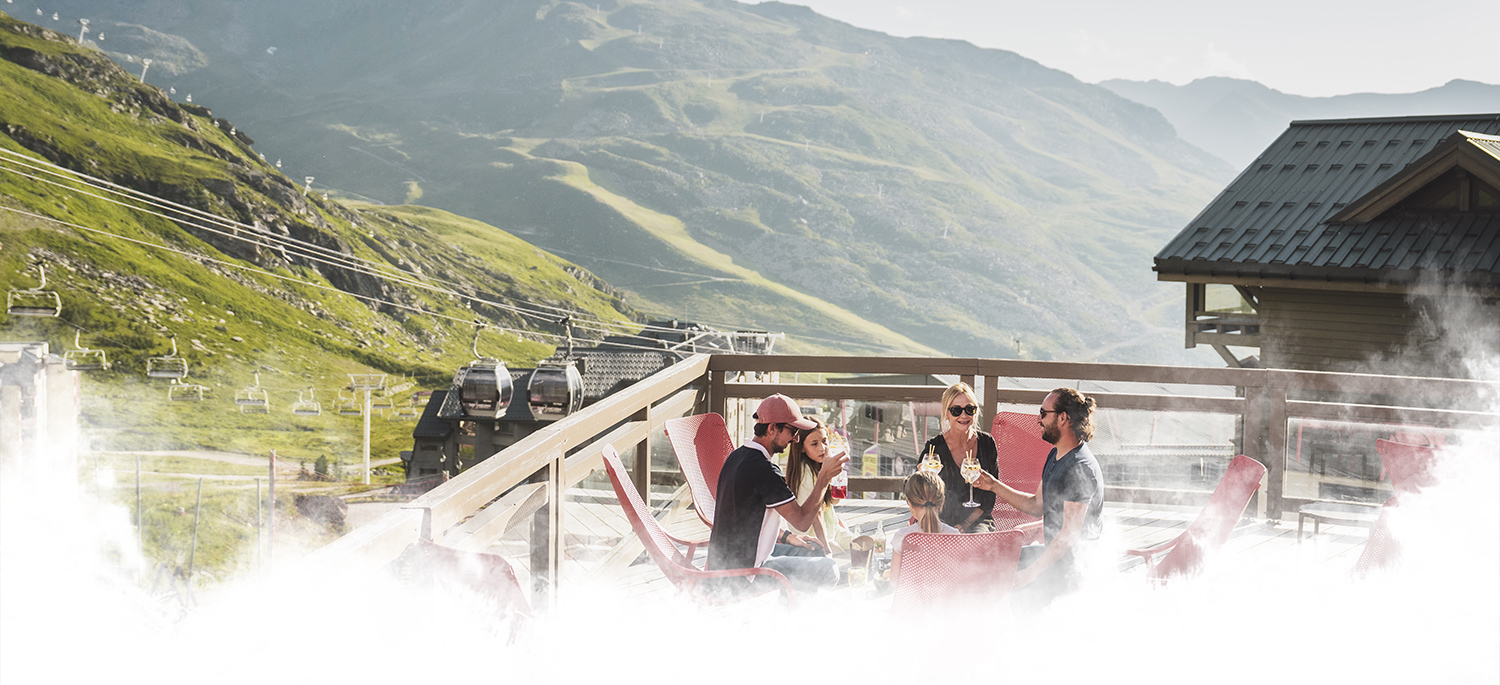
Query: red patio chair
x=955, y=571
x=677, y=567
x=1408, y=466
x=1381, y=550
x=489, y=576
x=701, y=443
x=1022, y=453
x=1186, y=553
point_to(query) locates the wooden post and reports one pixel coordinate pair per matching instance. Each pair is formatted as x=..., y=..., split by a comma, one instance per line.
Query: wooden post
x=1275, y=451
x=991, y=398
x=1252, y=427
x=547, y=536
x=716, y=399
x=641, y=472
x=271, y=511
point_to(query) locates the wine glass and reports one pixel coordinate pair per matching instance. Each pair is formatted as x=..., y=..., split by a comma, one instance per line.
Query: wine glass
x=970, y=471
x=931, y=463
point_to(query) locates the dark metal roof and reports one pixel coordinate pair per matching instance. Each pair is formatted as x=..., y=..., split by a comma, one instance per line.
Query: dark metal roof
x=430, y=426
x=1273, y=220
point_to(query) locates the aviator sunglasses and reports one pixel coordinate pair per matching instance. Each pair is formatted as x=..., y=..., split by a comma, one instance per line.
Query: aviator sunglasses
x=969, y=409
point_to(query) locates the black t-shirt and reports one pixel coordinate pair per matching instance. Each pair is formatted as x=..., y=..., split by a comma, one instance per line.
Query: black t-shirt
x=1075, y=477
x=955, y=488
x=749, y=484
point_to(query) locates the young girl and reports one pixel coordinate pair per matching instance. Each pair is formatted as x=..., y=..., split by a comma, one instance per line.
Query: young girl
x=828, y=534
x=924, y=496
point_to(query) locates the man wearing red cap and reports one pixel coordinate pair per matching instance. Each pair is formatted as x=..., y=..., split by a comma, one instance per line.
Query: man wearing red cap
x=753, y=492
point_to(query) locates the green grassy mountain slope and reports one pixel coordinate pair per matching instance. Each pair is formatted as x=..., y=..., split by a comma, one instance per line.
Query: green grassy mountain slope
x=696, y=152
x=237, y=302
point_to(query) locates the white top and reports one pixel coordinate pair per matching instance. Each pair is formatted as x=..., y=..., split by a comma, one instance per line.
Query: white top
x=898, y=536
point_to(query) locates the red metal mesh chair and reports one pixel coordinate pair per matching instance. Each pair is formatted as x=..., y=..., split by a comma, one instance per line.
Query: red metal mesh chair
x=1186, y=553
x=701, y=443
x=1021, y=455
x=1408, y=466
x=488, y=575
x=1382, y=550
x=944, y=571
x=677, y=566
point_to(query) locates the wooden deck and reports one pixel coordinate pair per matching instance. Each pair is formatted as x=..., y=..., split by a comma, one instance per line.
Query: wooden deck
x=602, y=549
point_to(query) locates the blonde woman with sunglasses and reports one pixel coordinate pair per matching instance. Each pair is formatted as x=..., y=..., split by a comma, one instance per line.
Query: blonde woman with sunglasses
x=961, y=437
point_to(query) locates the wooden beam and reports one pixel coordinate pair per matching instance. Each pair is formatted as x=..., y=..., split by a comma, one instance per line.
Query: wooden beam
x=1011, y=368
x=1236, y=339
x=455, y=500
x=1412, y=416
x=493, y=521
x=376, y=543
x=1314, y=283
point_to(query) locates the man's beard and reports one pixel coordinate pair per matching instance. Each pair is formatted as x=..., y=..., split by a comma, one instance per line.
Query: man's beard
x=1051, y=433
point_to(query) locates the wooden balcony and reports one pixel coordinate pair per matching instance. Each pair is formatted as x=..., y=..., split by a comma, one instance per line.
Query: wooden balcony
x=522, y=493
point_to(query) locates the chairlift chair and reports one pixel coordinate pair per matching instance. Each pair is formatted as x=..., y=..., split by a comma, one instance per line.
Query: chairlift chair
x=349, y=406
x=83, y=358
x=555, y=390
x=484, y=385
x=184, y=392
x=408, y=412
x=382, y=403
x=38, y=301
x=305, y=407
x=253, y=396
x=170, y=366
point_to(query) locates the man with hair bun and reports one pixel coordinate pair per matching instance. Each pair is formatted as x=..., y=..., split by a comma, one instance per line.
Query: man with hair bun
x=1069, y=500
x=753, y=492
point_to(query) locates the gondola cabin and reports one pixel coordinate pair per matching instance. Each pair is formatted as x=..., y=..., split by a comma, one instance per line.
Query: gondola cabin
x=555, y=390
x=484, y=388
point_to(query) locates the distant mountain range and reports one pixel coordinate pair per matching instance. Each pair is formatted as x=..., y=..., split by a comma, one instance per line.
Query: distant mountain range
x=1236, y=119
x=749, y=165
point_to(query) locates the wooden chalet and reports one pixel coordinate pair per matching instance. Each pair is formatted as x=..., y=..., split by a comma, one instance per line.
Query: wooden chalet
x=1350, y=245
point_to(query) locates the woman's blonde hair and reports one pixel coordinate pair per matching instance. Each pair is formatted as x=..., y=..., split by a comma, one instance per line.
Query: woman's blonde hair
x=953, y=391
x=924, y=493
x=799, y=466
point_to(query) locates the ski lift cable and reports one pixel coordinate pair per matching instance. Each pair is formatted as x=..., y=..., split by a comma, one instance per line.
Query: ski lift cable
x=255, y=237
x=292, y=279
x=393, y=276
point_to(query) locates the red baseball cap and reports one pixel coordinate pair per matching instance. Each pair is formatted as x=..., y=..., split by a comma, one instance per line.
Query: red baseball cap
x=781, y=409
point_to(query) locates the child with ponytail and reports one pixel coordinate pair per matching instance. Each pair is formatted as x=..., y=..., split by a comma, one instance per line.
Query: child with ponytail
x=924, y=496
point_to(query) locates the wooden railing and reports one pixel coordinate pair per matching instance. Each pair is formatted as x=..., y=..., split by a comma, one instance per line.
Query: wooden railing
x=530, y=477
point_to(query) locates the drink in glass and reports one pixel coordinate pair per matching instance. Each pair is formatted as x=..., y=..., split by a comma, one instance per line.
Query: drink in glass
x=970, y=472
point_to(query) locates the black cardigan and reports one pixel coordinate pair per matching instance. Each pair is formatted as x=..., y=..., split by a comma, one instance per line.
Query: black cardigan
x=956, y=489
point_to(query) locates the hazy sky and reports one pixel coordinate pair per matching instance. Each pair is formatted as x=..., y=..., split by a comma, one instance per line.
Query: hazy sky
x=1305, y=47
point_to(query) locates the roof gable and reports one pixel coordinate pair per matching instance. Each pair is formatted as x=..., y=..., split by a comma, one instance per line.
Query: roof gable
x=1476, y=154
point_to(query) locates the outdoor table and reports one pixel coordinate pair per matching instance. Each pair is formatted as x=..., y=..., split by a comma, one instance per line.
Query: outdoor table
x=1336, y=512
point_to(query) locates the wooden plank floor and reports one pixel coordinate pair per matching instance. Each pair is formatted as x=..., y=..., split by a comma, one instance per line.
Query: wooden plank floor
x=601, y=548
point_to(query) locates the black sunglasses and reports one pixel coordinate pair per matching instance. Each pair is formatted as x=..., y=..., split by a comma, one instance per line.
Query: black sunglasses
x=969, y=409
